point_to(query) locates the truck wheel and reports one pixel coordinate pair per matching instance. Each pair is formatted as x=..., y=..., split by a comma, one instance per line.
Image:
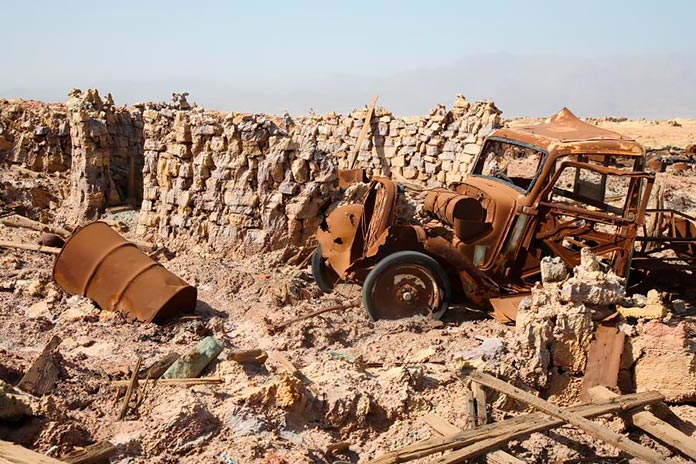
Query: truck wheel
x=404, y=284
x=321, y=272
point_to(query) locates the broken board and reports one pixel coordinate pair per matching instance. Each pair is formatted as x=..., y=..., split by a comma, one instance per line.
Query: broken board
x=603, y=360
x=43, y=374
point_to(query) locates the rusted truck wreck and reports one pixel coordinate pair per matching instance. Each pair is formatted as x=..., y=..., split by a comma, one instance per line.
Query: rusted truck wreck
x=549, y=189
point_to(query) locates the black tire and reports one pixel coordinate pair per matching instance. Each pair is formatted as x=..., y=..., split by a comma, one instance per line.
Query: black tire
x=427, y=292
x=321, y=272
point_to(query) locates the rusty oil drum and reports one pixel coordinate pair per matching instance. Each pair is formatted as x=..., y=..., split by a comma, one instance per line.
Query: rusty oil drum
x=100, y=264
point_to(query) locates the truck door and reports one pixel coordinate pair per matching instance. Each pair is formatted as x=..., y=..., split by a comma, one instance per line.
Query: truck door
x=589, y=204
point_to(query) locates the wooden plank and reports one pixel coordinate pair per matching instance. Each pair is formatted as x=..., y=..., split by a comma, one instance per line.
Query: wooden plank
x=592, y=428
x=93, y=454
x=501, y=457
x=440, y=425
x=29, y=246
x=470, y=409
x=443, y=427
x=513, y=428
x=480, y=400
x=603, y=360
x=254, y=356
x=650, y=423
x=119, y=209
x=174, y=382
x=42, y=376
x=282, y=325
x=11, y=453
x=131, y=387
x=21, y=221
x=159, y=367
x=363, y=133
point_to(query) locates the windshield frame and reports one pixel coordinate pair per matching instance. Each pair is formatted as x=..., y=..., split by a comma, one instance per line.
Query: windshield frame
x=480, y=160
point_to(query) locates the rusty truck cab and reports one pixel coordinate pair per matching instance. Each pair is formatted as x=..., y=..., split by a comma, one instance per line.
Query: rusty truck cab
x=548, y=189
x=589, y=189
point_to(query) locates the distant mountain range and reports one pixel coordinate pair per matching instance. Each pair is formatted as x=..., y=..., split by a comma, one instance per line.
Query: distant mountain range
x=650, y=86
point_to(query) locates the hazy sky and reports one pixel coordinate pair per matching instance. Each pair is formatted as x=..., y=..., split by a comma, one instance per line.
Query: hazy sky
x=634, y=58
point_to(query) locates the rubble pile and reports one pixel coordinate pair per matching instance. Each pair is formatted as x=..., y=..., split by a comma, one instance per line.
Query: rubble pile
x=556, y=324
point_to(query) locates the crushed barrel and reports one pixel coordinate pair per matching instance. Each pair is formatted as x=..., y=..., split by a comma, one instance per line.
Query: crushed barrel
x=100, y=264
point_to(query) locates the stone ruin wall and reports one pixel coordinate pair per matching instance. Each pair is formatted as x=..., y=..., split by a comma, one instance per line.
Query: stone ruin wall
x=35, y=135
x=107, y=157
x=227, y=178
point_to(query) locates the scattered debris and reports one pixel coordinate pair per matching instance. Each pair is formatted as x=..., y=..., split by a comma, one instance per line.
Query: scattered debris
x=92, y=454
x=339, y=307
x=597, y=431
x=131, y=388
x=30, y=246
x=192, y=363
x=175, y=382
x=13, y=405
x=41, y=378
x=647, y=421
x=248, y=356
x=13, y=453
x=654, y=308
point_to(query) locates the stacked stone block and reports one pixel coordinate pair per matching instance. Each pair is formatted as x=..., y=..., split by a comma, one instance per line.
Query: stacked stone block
x=229, y=179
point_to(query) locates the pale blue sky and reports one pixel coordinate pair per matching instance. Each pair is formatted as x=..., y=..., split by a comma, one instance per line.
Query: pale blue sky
x=602, y=57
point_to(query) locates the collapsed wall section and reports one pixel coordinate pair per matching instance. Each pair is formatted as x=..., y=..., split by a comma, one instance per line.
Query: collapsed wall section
x=225, y=179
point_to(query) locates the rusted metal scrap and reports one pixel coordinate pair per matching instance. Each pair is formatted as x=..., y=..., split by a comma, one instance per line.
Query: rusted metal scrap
x=100, y=264
x=549, y=189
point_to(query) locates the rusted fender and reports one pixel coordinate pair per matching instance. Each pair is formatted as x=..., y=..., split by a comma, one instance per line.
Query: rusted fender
x=337, y=234
x=100, y=264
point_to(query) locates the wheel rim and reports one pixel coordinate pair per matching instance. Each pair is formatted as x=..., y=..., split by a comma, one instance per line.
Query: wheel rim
x=405, y=290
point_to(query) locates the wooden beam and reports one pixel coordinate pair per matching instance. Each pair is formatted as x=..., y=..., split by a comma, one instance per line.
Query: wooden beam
x=29, y=246
x=43, y=374
x=131, y=387
x=26, y=223
x=650, y=423
x=159, y=367
x=510, y=429
x=11, y=453
x=363, y=132
x=254, y=356
x=480, y=400
x=93, y=454
x=443, y=427
x=350, y=304
x=592, y=428
x=174, y=382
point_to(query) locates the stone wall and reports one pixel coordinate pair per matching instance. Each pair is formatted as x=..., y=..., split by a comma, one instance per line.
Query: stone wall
x=106, y=153
x=228, y=178
x=35, y=135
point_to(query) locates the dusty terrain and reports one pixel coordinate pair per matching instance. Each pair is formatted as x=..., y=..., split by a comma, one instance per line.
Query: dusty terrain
x=368, y=384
